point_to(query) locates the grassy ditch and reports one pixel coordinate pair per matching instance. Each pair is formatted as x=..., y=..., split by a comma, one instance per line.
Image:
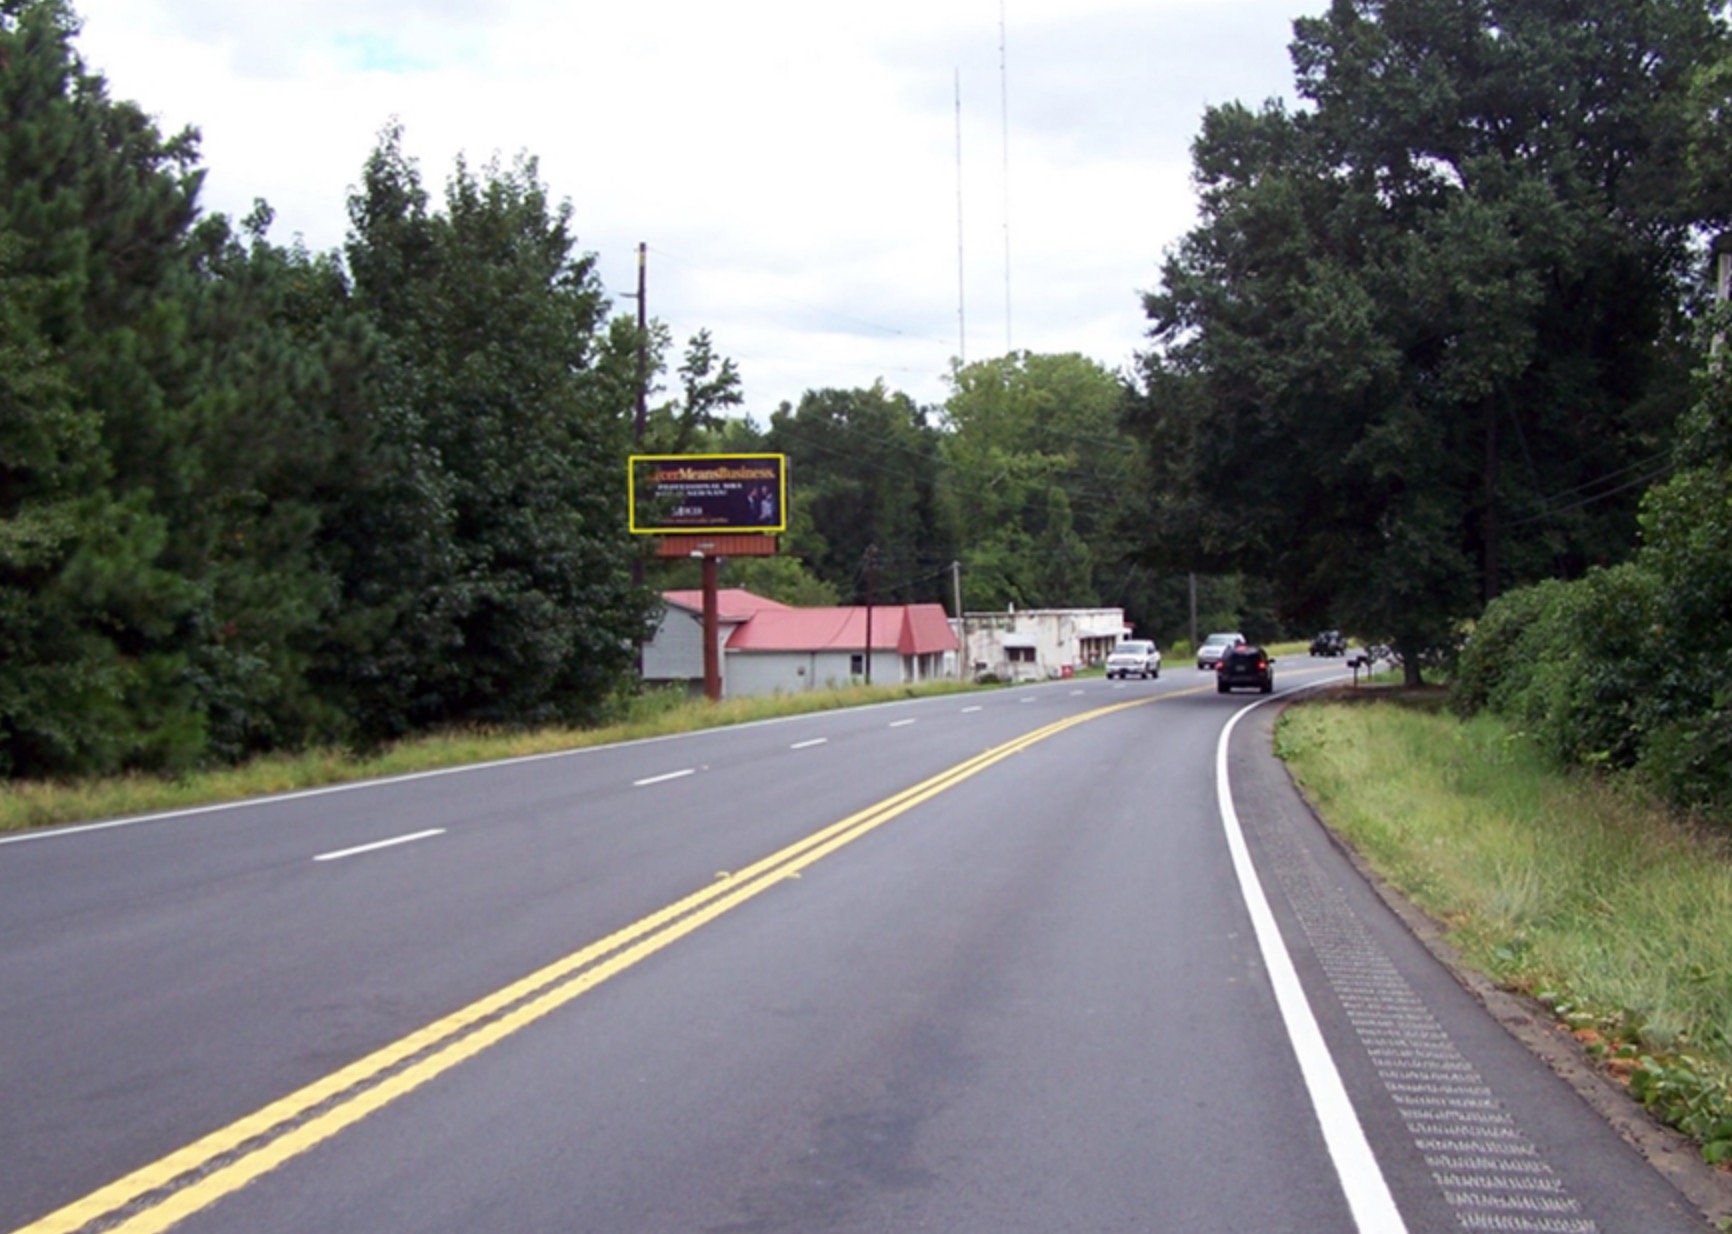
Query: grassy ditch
x=1611, y=911
x=656, y=714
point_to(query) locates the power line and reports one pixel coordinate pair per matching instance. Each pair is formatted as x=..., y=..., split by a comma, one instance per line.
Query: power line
x=1640, y=481
x=1110, y=498
x=1648, y=462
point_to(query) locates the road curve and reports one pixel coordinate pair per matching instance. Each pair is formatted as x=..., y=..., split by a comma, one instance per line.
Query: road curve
x=993, y=962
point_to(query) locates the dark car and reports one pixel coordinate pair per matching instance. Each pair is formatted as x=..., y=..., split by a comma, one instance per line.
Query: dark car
x=1244, y=667
x=1329, y=643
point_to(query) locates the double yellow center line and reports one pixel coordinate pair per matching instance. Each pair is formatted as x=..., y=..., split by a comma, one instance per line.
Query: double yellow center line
x=193, y=1178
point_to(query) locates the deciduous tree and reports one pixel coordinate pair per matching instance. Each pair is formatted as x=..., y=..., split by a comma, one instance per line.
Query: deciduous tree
x=865, y=469
x=1041, y=471
x=1424, y=343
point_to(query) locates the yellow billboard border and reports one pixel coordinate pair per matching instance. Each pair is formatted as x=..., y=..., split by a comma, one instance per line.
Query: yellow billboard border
x=756, y=529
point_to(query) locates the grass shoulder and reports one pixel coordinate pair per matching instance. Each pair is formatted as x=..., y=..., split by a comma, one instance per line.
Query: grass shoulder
x=659, y=713
x=1608, y=909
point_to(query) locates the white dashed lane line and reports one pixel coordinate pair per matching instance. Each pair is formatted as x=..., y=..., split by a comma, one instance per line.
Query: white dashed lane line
x=663, y=779
x=807, y=745
x=379, y=844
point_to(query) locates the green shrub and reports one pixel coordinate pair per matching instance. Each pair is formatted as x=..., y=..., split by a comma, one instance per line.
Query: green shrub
x=1626, y=667
x=1689, y=759
x=1572, y=664
x=1687, y=528
x=1492, y=653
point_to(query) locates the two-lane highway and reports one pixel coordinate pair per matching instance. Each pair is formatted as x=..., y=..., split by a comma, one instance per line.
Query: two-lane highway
x=1007, y=961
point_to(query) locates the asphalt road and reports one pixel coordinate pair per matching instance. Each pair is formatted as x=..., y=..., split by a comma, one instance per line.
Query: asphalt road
x=1005, y=962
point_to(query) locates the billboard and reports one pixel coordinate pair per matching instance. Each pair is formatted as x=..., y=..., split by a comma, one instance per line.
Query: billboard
x=674, y=494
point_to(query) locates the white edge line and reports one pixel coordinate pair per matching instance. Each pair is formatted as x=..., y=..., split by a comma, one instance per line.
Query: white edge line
x=1367, y=1191
x=374, y=847
x=663, y=779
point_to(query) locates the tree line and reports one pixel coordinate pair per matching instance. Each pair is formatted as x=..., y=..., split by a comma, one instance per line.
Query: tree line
x=253, y=497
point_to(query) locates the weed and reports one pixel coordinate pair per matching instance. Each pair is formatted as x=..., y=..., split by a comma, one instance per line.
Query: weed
x=1613, y=911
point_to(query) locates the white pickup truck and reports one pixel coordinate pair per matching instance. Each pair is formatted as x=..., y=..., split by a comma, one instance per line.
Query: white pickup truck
x=1134, y=655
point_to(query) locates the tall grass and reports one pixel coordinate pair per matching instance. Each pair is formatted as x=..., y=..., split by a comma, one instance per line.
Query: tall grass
x=657, y=713
x=1557, y=885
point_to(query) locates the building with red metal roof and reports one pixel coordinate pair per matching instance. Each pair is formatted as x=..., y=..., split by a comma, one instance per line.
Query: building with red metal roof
x=770, y=648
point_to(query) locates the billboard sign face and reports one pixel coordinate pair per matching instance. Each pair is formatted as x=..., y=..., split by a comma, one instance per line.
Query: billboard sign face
x=673, y=494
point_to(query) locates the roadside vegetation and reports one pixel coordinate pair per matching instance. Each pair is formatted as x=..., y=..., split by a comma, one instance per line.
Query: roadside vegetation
x=653, y=713
x=1586, y=893
x=658, y=713
x=1624, y=668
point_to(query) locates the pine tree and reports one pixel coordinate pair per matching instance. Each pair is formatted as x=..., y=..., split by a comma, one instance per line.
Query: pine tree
x=518, y=606
x=94, y=205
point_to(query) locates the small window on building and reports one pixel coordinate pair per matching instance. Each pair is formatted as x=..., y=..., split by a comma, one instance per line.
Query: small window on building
x=857, y=664
x=1020, y=655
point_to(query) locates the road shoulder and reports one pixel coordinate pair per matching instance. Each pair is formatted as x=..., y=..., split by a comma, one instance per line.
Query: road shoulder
x=1274, y=805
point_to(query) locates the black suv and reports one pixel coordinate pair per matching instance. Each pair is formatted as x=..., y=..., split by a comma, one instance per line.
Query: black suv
x=1329, y=643
x=1245, y=666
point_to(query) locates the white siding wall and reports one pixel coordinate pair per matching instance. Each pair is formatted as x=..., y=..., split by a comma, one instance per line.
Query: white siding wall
x=767, y=672
x=676, y=653
x=1057, y=635
x=791, y=672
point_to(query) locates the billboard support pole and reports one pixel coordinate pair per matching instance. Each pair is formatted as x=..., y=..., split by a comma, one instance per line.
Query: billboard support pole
x=871, y=569
x=712, y=633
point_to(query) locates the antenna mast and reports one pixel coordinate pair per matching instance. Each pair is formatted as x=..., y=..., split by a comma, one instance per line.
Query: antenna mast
x=961, y=323
x=1004, y=116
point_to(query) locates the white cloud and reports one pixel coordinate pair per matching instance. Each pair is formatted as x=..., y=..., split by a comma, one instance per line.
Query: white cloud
x=792, y=165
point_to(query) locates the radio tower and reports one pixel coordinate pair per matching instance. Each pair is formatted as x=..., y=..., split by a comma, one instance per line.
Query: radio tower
x=1004, y=116
x=961, y=322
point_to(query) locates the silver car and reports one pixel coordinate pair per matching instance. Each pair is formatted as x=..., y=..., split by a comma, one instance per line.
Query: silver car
x=1215, y=646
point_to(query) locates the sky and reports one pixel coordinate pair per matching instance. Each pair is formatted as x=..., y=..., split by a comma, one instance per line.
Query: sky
x=809, y=187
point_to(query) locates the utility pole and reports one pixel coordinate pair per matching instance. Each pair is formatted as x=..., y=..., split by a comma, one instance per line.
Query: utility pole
x=641, y=422
x=1489, y=585
x=1193, y=612
x=961, y=621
